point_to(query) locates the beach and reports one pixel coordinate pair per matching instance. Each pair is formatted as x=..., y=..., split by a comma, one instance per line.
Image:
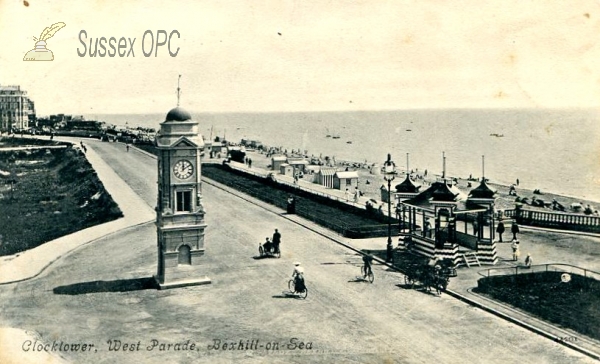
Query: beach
x=554, y=150
x=370, y=184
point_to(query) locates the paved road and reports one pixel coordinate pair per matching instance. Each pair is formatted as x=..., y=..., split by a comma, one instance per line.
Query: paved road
x=94, y=295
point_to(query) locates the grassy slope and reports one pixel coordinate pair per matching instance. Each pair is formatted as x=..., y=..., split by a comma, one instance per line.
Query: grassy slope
x=56, y=193
x=574, y=304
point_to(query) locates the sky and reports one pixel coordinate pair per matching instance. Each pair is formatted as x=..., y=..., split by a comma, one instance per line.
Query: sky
x=305, y=55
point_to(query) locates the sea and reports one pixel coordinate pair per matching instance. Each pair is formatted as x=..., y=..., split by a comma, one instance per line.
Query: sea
x=554, y=150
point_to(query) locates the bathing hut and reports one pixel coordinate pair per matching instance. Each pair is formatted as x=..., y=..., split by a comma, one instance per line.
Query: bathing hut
x=345, y=180
x=325, y=176
x=299, y=164
x=277, y=161
x=286, y=169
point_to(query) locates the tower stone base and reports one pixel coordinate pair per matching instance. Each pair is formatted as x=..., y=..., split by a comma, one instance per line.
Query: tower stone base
x=181, y=276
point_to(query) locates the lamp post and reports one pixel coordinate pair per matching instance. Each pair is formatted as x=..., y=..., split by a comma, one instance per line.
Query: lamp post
x=389, y=173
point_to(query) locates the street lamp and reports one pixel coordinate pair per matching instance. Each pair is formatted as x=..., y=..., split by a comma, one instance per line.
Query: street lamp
x=389, y=173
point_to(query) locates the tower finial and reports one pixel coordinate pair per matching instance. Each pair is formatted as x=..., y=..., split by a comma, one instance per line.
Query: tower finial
x=178, y=90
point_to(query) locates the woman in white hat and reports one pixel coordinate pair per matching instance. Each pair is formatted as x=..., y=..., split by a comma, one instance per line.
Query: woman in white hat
x=298, y=276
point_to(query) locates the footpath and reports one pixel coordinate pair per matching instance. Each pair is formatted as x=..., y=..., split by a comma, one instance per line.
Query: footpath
x=32, y=263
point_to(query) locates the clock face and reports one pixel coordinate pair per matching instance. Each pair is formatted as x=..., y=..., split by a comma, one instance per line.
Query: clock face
x=183, y=169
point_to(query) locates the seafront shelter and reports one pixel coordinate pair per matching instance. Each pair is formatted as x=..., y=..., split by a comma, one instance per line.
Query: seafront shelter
x=405, y=190
x=443, y=224
x=347, y=180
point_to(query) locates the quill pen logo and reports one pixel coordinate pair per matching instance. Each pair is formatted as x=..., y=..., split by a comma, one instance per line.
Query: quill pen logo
x=40, y=52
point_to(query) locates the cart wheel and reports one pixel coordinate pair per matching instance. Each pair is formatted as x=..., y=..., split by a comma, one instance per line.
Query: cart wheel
x=261, y=250
x=291, y=286
x=303, y=294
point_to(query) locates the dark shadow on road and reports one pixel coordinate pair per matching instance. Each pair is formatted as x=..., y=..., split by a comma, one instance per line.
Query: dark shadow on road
x=358, y=279
x=120, y=285
x=286, y=295
x=418, y=287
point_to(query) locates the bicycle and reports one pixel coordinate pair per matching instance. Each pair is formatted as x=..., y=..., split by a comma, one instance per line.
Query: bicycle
x=292, y=288
x=367, y=276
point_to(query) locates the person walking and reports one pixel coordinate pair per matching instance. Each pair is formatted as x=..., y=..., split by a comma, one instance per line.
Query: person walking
x=500, y=230
x=528, y=261
x=356, y=195
x=515, y=250
x=514, y=229
x=276, y=240
x=346, y=195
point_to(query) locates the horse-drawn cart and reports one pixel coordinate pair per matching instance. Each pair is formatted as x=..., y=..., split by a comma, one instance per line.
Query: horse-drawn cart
x=429, y=272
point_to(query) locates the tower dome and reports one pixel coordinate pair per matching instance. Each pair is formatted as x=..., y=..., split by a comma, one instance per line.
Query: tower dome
x=178, y=114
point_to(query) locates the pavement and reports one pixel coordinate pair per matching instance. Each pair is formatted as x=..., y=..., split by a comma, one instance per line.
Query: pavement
x=30, y=264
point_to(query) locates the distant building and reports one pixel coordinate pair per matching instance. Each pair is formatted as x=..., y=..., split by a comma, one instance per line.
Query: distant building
x=16, y=109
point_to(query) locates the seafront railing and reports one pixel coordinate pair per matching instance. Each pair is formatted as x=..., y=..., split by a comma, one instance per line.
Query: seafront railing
x=550, y=267
x=555, y=220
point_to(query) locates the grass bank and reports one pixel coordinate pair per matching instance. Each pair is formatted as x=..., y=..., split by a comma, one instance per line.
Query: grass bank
x=48, y=193
x=572, y=303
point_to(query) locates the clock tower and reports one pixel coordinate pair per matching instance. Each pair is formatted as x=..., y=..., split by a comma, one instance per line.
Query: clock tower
x=179, y=211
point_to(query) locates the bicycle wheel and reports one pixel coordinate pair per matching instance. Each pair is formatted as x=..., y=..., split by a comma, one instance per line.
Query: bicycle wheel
x=362, y=271
x=292, y=286
x=261, y=251
x=370, y=277
x=303, y=294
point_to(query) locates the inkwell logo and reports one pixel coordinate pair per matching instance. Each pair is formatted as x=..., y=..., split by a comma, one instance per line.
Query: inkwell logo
x=40, y=52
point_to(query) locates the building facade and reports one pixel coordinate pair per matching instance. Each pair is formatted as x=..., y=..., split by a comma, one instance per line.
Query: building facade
x=16, y=109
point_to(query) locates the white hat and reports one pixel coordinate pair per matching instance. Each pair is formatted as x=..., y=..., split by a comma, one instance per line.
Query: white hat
x=297, y=263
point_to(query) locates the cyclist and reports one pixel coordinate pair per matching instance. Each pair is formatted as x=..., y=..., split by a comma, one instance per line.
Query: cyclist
x=298, y=276
x=367, y=260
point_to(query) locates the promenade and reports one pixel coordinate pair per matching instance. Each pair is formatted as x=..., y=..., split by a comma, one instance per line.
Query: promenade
x=99, y=291
x=545, y=245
